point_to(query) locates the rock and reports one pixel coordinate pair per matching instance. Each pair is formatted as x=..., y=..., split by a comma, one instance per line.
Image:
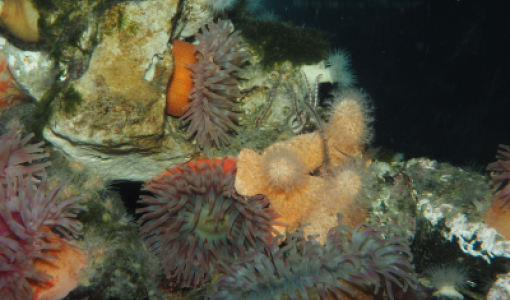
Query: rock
x=33, y=70
x=195, y=13
x=121, y=113
x=500, y=289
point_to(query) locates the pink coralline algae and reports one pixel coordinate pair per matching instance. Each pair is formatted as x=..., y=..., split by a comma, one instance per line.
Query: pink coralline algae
x=28, y=207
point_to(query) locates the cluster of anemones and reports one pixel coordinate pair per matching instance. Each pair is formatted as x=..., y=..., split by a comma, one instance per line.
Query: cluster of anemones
x=29, y=211
x=199, y=226
x=195, y=218
x=208, y=216
x=352, y=258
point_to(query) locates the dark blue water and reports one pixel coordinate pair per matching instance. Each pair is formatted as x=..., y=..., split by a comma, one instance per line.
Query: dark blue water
x=438, y=71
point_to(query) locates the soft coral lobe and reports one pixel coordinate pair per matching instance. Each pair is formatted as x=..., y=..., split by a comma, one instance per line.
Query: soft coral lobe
x=352, y=261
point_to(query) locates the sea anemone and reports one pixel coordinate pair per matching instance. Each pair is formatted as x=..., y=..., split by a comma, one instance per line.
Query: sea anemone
x=195, y=218
x=181, y=83
x=213, y=98
x=17, y=268
x=17, y=156
x=29, y=211
x=447, y=279
x=220, y=6
x=26, y=210
x=352, y=258
x=339, y=66
x=336, y=69
x=500, y=176
x=498, y=216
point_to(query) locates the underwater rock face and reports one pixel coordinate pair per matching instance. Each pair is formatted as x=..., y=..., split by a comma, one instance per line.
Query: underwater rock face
x=124, y=88
x=194, y=14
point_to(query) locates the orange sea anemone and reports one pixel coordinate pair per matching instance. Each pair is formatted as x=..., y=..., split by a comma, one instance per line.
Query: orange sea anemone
x=180, y=83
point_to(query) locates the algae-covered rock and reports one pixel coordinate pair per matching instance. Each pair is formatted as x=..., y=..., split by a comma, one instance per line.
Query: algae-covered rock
x=123, y=90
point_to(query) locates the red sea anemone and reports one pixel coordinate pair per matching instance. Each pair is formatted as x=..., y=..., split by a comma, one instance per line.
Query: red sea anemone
x=28, y=210
x=213, y=98
x=196, y=218
x=26, y=213
x=498, y=216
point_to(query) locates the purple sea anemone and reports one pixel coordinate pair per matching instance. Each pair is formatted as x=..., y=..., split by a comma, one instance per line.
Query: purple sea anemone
x=27, y=209
x=196, y=218
x=303, y=269
x=213, y=98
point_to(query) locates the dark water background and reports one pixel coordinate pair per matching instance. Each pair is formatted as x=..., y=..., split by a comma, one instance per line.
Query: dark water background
x=438, y=70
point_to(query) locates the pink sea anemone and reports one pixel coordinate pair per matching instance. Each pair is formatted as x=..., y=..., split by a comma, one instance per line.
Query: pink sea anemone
x=196, y=218
x=212, y=110
x=28, y=207
x=25, y=210
x=16, y=154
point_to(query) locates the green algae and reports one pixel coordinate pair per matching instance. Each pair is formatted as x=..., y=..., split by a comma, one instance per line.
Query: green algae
x=277, y=42
x=69, y=99
x=62, y=24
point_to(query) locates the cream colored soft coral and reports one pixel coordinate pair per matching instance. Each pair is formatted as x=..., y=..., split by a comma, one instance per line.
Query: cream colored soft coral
x=286, y=172
x=341, y=193
x=348, y=129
